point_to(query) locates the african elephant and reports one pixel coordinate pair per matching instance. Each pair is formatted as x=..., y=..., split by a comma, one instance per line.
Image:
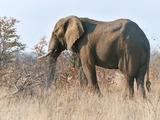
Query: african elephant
x=119, y=44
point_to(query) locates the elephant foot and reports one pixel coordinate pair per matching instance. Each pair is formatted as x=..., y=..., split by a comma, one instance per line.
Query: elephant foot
x=92, y=91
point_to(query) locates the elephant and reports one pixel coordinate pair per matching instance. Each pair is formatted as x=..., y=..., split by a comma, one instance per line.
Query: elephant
x=119, y=44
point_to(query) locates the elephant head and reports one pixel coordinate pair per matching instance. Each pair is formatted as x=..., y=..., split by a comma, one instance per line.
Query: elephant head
x=66, y=32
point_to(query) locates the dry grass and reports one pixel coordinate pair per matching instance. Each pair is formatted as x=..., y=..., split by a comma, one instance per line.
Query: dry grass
x=73, y=104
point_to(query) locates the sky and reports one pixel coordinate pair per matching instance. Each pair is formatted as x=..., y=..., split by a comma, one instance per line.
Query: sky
x=38, y=17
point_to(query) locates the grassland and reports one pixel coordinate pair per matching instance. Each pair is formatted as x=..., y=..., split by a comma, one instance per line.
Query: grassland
x=70, y=103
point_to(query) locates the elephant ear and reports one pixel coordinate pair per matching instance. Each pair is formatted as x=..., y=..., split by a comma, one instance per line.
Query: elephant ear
x=74, y=30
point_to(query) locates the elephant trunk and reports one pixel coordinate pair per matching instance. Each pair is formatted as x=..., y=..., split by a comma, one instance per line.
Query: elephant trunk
x=51, y=67
x=148, y=83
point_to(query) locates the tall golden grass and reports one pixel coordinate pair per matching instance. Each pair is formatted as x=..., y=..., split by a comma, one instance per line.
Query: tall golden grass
x=73, y=104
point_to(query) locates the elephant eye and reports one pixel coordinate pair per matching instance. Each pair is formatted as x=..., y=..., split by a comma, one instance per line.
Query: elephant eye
x=54, y=35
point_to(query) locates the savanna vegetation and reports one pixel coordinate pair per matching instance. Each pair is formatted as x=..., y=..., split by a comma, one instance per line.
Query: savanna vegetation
x=23, y=95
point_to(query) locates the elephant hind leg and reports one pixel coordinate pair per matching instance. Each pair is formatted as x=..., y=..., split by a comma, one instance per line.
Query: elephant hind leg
x=140, y=81
x=140, y=85
x=130, y=86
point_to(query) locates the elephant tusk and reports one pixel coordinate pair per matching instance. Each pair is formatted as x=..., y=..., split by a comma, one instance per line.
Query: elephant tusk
x=45, y=55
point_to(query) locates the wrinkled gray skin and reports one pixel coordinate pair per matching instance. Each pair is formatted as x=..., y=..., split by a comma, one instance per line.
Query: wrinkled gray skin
x=119, y=44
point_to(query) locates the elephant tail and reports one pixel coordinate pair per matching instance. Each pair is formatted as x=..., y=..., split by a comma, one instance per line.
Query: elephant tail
x=148, y=83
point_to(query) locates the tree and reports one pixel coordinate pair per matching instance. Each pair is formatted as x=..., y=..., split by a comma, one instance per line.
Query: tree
x=9, y=40
x=39, y=47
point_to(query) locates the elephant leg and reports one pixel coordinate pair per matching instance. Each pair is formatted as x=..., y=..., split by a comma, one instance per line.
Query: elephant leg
x=140, y=80
x=140, y=85
x=130, y=86
x=90, y=73
x=82, y=77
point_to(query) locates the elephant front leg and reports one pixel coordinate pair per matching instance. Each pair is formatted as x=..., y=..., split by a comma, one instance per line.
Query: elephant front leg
x=82, y=77
x=90, y=73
